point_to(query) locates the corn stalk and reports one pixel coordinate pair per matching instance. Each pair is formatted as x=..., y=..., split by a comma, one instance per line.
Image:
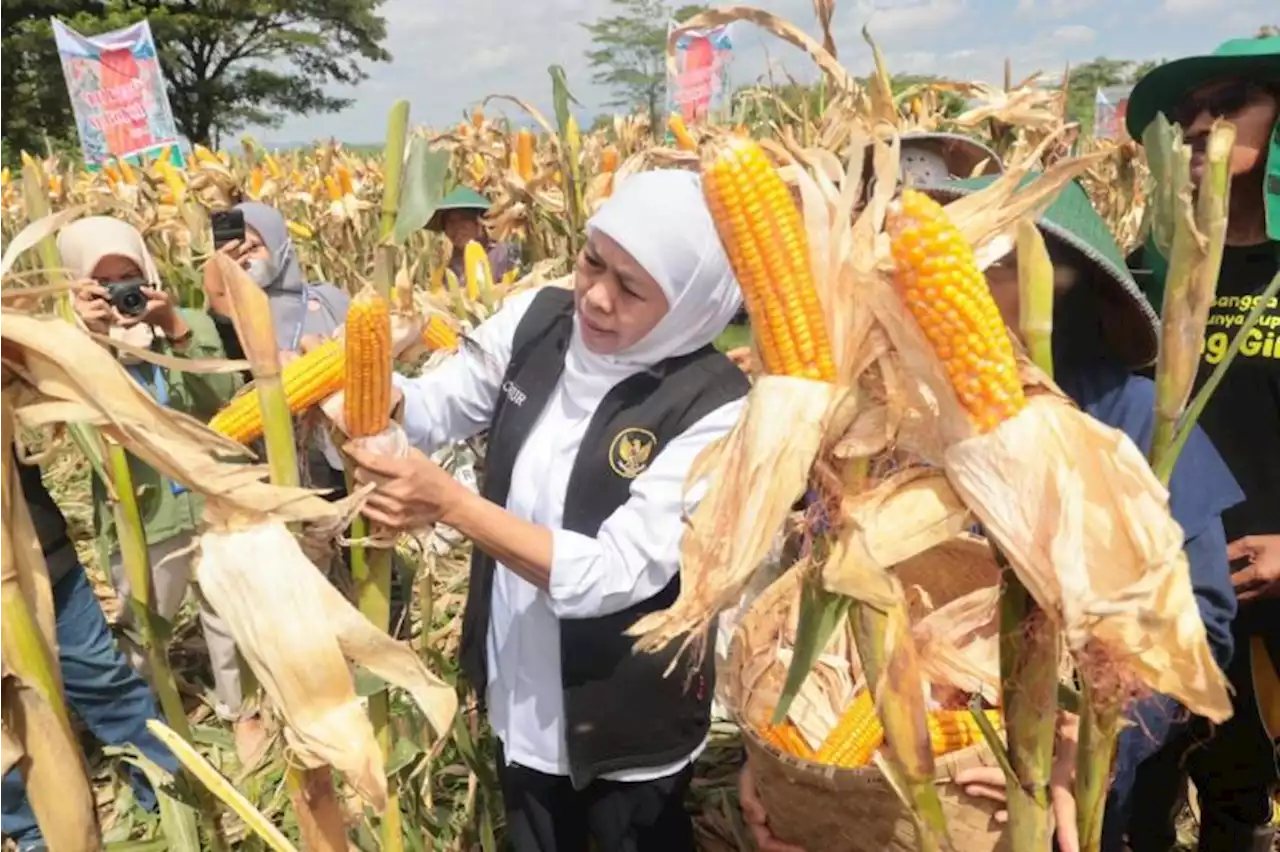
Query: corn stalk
x=1028, y=636
x=371, y=567
x=38, y=735
x=315, y=803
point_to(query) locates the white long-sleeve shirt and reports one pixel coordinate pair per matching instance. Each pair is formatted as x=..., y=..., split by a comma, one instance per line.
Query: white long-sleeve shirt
x=633, y=556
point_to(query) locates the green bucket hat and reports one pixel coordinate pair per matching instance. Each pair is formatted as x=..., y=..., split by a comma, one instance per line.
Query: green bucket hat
x=1073, y=223
x=461, y=198
x=1165, y=86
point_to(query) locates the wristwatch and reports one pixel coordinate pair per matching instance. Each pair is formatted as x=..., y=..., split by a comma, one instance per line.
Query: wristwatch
x=182, y=339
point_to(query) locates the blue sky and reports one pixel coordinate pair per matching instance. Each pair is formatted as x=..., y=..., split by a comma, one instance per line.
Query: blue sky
x=448, y=54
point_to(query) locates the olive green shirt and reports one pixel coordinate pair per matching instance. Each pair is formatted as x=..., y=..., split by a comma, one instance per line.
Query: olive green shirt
x=169, y=511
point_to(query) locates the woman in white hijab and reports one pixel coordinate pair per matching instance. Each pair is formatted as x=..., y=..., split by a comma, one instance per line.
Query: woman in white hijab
x=597, y=401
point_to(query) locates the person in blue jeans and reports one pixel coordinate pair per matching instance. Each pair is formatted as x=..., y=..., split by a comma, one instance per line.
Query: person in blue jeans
x=108, y=696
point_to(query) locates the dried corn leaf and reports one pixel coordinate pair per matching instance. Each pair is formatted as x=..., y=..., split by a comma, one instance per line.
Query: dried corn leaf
x=297, y=632
x=756, y=473
x=66, y=379
x=1086, y=526
x=959, y=644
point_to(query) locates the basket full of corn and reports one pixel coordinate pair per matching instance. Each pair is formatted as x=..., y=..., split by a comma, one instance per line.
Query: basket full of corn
x=816, y=771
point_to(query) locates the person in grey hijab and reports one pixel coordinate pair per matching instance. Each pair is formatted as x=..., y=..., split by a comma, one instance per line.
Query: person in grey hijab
x=299, y=310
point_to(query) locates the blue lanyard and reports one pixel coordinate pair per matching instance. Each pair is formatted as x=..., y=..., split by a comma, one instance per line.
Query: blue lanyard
x=158, y=388
x=302, y=321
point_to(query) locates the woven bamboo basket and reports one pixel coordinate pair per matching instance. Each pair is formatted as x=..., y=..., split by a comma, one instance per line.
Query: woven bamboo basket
x=827, y=809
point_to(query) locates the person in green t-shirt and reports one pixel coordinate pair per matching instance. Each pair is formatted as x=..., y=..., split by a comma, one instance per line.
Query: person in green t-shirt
x=120, y=295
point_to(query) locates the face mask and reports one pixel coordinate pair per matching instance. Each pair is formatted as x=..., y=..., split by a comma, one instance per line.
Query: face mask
x=262, y=271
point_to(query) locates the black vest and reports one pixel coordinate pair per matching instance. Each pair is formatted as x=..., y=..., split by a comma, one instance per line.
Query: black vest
x=620, y=711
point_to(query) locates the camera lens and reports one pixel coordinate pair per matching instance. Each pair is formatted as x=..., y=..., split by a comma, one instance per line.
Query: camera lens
x=128, y=299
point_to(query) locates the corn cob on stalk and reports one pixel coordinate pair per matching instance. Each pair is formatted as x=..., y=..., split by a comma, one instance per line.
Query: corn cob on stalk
x=308, y=380
x=479, y=273
x=367, y=395
x=787, y=739
x=953, y=730
x=684, y=140
x=855, y=737
x=609, y=159
x=764, y=236
x=438, y=335
x=946, y=293
x=524, y=154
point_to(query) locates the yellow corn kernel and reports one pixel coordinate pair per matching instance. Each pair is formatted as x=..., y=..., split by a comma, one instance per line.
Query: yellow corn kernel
x=308, y=379
x=256, y=181
x=367, y=397
x=939, y=280
x=684, y=140
x=273, y=167
x=524, y=154
x=297, y=230
x=787, y=739
x=55, y=185
x=345, y=184
x=953, y=730
x=127, y=174
x=479, y=274
x=112, y=173
x=855, y=737
x=764, y=236
x=204, y=155
x=438, y=335
x=478, y=170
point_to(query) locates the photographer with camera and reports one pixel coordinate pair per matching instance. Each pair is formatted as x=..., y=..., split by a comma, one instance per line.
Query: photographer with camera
x=120, y=295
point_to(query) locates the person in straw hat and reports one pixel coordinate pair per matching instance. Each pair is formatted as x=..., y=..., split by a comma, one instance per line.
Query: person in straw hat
x=1103, y=330
x=1233, y=766
x=597, y=401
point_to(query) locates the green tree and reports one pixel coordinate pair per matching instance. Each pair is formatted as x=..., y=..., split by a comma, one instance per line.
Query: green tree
x=630, y=52
x=1101, y=73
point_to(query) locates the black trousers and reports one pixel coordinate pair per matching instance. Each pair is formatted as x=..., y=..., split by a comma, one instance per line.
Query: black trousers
x=545, y=814
x=1232, y=765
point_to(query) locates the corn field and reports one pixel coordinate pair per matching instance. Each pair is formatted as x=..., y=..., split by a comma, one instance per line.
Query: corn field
x=357, y=221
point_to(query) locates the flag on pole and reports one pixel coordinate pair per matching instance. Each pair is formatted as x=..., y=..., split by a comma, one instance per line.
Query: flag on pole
x=117, y=94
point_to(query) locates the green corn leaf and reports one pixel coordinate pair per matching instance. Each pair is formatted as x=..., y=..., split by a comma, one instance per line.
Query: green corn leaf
x=821, y=613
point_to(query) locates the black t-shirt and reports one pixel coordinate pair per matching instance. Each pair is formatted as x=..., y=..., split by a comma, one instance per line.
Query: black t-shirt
x=1243, y=415
x=46, y=517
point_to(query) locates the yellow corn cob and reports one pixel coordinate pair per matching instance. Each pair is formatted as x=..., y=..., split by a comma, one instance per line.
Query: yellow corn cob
x=224, y=158
x=4, y=176
x=478, y=272
x=308, y=380
x=172, y=178
x=524, y=154
x=299, y=230
x=273, y=167
x=126, y=173
x=256, y=181
x=438, y=335
x=55, y=184
x=952, y=730
x=477, y=118
x=27, y=159
x=788, y=740
x=684, y=140
x=367, y=397
x=609, y=159
x=112, y=173
x=316, y=189
x=510, y=276
x=765, y=239
x=451, y=281
x=477, y=168
x=345, y=183
x=941, y=285
x=332, y=188
x=855, y=737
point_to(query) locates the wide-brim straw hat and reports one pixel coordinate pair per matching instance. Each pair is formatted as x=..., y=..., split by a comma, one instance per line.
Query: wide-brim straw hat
x=1133, y=328
x=964, y=156
x=461, y=198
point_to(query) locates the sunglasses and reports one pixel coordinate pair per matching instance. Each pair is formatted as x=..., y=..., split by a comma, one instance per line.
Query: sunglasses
x=1219, y=103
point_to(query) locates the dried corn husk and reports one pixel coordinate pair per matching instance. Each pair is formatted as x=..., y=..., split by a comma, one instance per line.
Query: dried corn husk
x=1086, y=526
x=757, y=472
x=297, y=632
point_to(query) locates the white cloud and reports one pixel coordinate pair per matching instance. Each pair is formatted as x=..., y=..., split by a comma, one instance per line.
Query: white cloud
x=906, y=17
x=1054, y=8
x=1073, y=34
x=1194, y=7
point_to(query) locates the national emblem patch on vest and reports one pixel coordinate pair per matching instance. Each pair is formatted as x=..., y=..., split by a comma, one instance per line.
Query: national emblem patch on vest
x=631, y=451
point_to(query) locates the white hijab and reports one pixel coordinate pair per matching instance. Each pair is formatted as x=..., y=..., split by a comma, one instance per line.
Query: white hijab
x=661, y=219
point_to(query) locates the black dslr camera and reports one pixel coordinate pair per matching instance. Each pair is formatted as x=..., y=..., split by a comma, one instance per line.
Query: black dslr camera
x=127, y=297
